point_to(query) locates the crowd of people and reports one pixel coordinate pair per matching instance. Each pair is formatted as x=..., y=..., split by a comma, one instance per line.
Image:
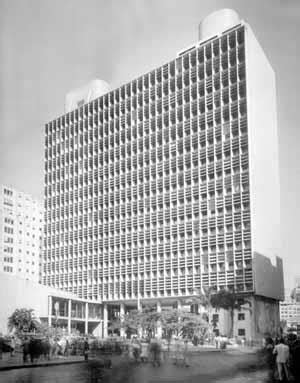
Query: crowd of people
x=283, y=357
x=282, y=354
x=155, y=350
x=33, y=346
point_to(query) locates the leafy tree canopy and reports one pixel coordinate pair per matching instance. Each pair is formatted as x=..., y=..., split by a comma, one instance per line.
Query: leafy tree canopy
x=171, y=321
x=23, y=320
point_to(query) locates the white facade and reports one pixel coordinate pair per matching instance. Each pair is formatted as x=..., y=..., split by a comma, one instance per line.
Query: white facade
x=21, y=223
x=263, y=169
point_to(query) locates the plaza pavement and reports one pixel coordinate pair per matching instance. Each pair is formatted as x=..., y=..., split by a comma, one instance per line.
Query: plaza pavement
x=207, y=365
x=16, y=362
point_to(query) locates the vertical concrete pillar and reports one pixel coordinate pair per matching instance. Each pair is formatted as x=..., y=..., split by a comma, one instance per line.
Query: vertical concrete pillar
x=139, y=308
x=159, y=328
x=158, y=306
x=49, y=311
x=179, y=305
x=139, y=304
x=105, y=321
x=122, y=313
x=69, y=315
x=86, y=322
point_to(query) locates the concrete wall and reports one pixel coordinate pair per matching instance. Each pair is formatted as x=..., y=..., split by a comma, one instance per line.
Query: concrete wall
x=268, y=278
x=265, y=317
x=264, y=169
x=261, y=317
x=243, y=324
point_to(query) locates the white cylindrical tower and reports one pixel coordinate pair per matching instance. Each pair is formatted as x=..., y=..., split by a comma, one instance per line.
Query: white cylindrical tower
x=89, y=92
x=218, y=22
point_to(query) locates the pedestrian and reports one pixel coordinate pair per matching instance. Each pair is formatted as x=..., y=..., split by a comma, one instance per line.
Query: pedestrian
x=282, y=353
x=12, y=346
x=270, y=357
x=144, y=351
x=25, y=346
x=67, y=348
x=217, y=341
x=1, y=346
x=155, y=349
x=136, y=349
x=177, y=351
x=86, y=348
x=185, y=353
x=296, y=359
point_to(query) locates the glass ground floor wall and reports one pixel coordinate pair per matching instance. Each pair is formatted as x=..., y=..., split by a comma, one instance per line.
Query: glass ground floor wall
x=74, y=315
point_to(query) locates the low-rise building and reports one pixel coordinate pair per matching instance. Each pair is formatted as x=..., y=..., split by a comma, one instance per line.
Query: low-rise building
x=51, y=306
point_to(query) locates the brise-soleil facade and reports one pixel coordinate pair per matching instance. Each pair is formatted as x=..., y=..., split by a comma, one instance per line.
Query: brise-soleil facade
x=154, y=189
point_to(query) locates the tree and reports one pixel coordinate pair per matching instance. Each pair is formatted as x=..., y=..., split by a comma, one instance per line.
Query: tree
x=202, y=298
x=146, y=320
x=171, y=321
x=228, y=300
x=23, y=320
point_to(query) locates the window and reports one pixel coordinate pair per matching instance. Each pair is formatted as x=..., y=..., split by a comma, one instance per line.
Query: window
x=241, y=316
x=241, y=332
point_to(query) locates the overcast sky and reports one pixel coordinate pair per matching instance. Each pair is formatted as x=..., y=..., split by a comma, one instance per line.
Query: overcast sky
x=48, y=47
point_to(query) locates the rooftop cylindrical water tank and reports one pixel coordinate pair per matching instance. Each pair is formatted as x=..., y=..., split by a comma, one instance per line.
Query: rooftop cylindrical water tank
x=218, y=22
x=87, y=93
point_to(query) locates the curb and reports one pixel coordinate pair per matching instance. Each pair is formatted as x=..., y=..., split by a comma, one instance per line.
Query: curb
x=35, y=365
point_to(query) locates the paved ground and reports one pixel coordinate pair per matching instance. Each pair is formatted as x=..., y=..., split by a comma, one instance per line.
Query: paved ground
x=206, y=367
x=8, y=363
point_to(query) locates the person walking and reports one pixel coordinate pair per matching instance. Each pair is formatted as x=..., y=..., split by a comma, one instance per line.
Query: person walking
x=177, y=351
x=136, y=345
x=1, y=346
x=270, y=357
x=185, y=353
x=144, y=351
x=217, y=341
x=86, y=348
x=25, y=347
x=12, y=346
x=155, y=349
x=282, y=353
x=296, y=359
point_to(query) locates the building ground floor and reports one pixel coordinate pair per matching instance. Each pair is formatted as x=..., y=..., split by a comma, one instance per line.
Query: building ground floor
x=258, y=317
x=55, y=307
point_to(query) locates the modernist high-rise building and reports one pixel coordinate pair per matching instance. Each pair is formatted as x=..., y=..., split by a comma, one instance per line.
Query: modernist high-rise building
x=170, y=182
x=21, y=223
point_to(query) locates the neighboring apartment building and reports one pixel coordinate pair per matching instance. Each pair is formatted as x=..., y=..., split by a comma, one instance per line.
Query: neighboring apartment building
x=21, y=223
x=290, y=307
x=170, y=183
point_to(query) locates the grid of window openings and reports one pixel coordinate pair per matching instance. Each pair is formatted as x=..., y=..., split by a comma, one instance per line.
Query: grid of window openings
x=20, y=234
x=147, y=187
